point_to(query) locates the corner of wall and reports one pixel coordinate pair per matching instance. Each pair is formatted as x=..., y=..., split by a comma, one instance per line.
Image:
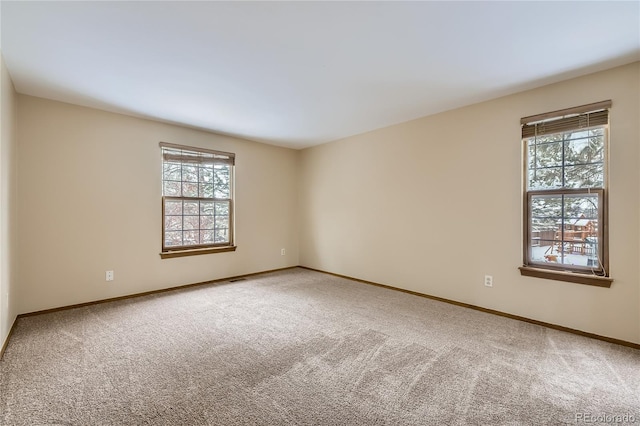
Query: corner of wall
x=8, y=205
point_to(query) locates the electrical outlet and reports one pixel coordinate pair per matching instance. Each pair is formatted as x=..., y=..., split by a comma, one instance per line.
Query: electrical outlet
x=109, y=275
x=488, y=280
x=283, y=252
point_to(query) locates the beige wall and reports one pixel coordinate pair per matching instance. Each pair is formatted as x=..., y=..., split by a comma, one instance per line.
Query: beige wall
x=431, y=205
x=8, y=181
x=434, y=204
x=89, y=201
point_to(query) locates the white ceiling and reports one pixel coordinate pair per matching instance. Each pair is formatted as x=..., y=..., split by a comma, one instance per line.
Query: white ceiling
x=298, y=74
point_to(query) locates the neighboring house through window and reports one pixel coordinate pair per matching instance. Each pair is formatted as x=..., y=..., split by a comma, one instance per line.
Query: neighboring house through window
x=565, y=196
x=197, y=200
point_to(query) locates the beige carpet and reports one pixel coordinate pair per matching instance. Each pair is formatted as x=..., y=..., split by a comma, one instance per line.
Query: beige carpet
x=298, y=347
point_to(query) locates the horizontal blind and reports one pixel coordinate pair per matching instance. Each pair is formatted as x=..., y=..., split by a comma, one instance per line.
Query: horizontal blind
x=567, y=120
x=188, y=154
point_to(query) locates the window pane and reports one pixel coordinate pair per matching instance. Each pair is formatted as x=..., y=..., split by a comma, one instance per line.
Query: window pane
x=189, y=173
x=592, y=252
x=549, y=178
x=171, y=171
x=221, y=181
x=190, y=238
x=191, y=207
x=222, y=222
x=546, y=206
x=206, y=190
x=545, y=153
x=207, y=237
x=221, y=192
x=546, y=215
x=206, y=208
x=171, y=189
x=591, y=176
x=206, y=173
x=569, y=160
x=173, y=223
x=222, y=208
x=191, y=222
x=585, y=147
x=173, y=238
x=542, y=250
x=582, y=206
x=190, y=189
x=172, y=207
x=221, y=235
x=206, y=222
x=564, y=230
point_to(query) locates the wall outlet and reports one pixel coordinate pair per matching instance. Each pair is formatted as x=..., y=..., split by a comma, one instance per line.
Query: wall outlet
x=109, y=276
x=488, y=280
x=283, y=252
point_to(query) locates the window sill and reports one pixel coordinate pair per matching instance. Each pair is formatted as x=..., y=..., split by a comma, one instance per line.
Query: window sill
x=571, y=277
x=194, y=252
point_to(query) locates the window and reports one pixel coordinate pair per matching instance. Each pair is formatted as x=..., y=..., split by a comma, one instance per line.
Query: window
x=197, y=200
x=565, y=196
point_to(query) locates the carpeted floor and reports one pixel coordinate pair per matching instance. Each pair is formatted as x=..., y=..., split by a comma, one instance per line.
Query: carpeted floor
x=298, y=347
